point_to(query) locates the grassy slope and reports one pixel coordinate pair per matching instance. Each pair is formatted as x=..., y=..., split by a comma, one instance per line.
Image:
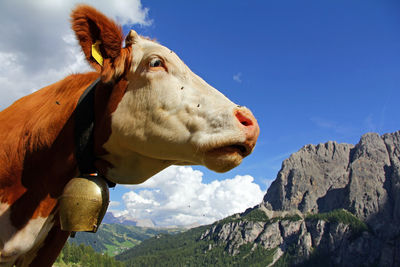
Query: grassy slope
x=116, y=238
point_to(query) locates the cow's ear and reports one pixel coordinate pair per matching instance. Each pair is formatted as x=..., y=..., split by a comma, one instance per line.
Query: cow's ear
x=101, y=41
x=131, y=38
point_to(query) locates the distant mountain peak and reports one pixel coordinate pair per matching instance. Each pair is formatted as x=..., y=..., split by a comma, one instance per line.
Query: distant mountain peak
x=126, y=219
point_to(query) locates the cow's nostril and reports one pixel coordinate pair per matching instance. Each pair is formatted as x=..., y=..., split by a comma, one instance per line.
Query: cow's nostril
x=245, y=121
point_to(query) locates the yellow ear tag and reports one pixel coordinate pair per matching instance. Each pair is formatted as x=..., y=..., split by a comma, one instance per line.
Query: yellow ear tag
x=96, y=54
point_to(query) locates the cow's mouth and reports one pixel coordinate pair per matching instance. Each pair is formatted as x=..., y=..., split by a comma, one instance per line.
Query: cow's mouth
x=240, y=148
x=224, y=158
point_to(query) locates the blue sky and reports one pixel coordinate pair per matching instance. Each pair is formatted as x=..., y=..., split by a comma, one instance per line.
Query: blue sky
x=311, y=71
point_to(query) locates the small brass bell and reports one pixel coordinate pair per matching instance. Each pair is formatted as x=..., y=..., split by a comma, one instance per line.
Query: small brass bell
x=83, y=204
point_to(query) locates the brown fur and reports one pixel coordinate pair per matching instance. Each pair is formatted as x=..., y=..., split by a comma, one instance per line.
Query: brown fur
x=89, y=26
x=36, y=132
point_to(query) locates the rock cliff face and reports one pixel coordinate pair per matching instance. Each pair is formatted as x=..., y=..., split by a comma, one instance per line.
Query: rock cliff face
x=331, y=204
x=363, y=179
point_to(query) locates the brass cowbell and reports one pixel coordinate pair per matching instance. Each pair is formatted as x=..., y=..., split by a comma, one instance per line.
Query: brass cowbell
x=84, y=203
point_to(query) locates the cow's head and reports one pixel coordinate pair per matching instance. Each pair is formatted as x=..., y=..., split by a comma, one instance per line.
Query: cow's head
x=166, y=114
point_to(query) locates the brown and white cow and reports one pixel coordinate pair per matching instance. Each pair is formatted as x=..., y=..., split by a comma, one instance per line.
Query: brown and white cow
x=151, y=112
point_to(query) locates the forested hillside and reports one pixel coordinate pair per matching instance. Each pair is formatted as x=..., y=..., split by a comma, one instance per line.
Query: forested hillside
x=84, y=256
x=187, y=249
x=98, y=249
x=233, y=241
x=113, y=239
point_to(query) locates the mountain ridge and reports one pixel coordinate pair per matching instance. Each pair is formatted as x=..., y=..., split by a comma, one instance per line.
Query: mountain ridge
x=126, y=220
x=109, y=218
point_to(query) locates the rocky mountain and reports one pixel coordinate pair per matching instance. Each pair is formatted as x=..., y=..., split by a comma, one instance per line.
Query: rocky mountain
x=331, y=204
x=363, y=179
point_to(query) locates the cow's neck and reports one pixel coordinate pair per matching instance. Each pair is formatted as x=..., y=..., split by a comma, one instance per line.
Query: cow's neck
x=40, y=145
x=106, y=103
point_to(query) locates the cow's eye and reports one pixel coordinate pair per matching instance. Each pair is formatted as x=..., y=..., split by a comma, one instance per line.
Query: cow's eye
x=155, y=63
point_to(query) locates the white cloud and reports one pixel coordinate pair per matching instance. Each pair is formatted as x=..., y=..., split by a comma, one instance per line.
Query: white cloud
x=177, y=196
x=238, y=77
x=39, y=48
x=114, y=204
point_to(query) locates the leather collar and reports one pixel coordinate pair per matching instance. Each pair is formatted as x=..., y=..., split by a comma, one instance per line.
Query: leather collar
x=83, y=134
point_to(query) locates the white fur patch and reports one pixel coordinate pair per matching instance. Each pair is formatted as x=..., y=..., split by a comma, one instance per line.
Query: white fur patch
x=14, y=243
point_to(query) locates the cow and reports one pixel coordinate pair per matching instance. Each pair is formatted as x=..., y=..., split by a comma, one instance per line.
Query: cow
x=150, y=111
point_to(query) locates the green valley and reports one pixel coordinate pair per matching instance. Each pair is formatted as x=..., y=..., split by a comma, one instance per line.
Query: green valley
x=113, y=239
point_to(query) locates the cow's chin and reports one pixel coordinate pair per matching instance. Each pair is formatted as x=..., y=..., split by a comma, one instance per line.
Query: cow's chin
x=223, y=159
